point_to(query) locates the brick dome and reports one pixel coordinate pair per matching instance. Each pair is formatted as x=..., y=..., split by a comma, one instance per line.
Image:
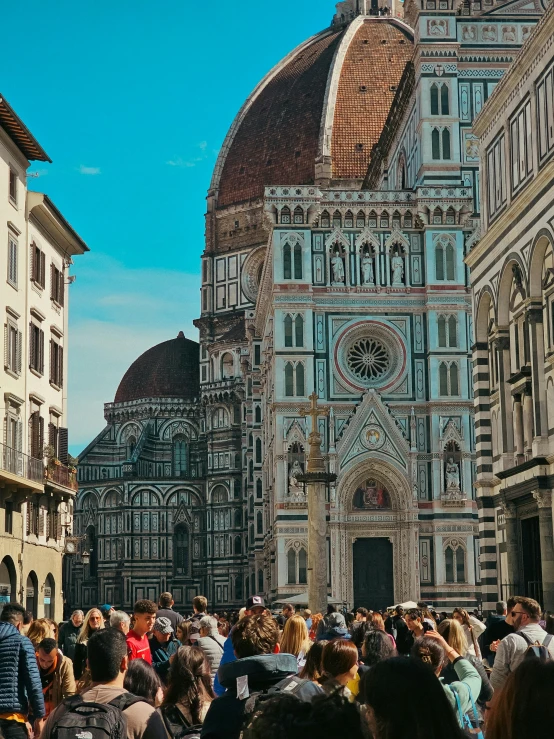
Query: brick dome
x=167, y=370
x=317, y=113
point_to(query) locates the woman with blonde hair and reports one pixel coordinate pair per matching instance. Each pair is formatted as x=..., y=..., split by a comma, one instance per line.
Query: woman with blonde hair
x=473, y=628
x=295, y=639
x=454, y=636
x=93, y=622
x=40, y=628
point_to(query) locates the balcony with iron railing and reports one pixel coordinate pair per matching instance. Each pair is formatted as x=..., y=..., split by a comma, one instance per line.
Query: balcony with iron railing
x=21, y=469
x=60, y=476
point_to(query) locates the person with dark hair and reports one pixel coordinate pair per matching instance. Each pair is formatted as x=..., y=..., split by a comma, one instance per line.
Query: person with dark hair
x=165, y=610
x=137, y=638
x=424, y=711
x=325, y=717
x=200, y=609
x=340, y=665
x=189, y=693
x=69, y=632
x=525, y=616
x=376, y=647
x=20, y=686
x=433, y=651
x=323, y=625
x=336, y=628
x=108, y=662
x=417, y=627
x=288, y=611
x=360, y=618
x=143, y=680
x=497, y=628
x=400, y=631
x=524, y=708
x=258, y=667
x=56, y=674
x=313, y=670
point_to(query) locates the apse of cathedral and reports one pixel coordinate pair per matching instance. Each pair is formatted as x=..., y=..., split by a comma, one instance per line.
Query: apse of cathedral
x=342, y=204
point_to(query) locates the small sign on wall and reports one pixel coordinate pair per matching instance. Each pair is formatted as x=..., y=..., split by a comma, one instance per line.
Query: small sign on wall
x=47, y=601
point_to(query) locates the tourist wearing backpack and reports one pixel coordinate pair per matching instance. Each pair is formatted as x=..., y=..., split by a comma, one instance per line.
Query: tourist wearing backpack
x=259, y=667
x=514, y=648
x=107, y=710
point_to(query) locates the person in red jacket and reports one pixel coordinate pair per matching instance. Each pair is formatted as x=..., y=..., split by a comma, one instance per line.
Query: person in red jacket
x=137, y=638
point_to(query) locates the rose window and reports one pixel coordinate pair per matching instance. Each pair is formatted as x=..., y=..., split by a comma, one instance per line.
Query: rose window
x=368, y=359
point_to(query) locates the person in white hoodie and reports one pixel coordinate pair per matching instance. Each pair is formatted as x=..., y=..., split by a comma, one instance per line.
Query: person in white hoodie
x=473, y=628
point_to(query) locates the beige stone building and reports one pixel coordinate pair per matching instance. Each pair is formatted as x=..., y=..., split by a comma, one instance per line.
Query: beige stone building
x=37, y=486
x=512, y=276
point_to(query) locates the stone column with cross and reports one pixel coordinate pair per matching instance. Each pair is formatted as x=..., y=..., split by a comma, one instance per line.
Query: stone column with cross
x=316, y=480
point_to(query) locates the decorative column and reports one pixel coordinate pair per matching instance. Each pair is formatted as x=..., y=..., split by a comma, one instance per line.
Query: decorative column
x=528, y=423
x=518, y=429
x=544, y=503
x=536, y=346
x=502, y=345
x=317, y=481
x=512, y=546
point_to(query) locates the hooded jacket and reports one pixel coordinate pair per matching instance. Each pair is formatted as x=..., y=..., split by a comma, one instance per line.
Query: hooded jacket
x=225, y=717
x=20, y=686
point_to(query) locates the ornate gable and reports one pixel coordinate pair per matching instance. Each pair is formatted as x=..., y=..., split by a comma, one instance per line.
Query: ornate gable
x=373, y=430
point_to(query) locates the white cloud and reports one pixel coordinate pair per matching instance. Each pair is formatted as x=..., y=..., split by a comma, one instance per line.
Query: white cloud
x=89, y=170
x=179, y=162
x=203, y=145
x=116, y=314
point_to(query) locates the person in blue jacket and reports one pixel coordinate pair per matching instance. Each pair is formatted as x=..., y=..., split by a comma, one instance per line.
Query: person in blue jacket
x=20, y=685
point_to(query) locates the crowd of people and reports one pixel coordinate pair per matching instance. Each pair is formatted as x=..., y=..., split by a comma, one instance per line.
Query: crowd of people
x=262, y=675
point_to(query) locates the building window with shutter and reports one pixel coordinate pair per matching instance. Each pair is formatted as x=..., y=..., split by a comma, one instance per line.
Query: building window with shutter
x=56, y=285
x=36, y=348
x=12, y=348
x=13, y=187
x=56, y=363
x=36, y=434
x=38, y=266
x=8, y=517
x=13, y=249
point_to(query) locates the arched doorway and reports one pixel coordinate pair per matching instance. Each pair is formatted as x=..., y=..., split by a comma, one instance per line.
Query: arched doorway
x=8, y=593
x=49, y=597
x=31, y=594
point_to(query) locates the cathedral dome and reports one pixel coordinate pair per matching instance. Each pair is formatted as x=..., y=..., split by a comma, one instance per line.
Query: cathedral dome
x=167, y=370
x=315, y=117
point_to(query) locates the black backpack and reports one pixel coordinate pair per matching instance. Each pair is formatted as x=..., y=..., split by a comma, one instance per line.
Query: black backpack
x=176, y=724
x=89, y=720
x=536, y=650
x=254, y=703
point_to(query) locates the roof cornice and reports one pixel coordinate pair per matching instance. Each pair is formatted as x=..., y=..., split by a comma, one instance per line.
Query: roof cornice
x=20, y=134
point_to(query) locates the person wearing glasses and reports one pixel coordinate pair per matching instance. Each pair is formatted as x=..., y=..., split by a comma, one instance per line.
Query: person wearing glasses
x=525, y=617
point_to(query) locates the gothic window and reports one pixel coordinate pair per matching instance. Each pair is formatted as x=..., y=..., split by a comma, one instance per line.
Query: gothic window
x=180, y=456
x=437, y=217
x=219, y=494
x=372, y=219
x=337, y=219
x=291, y=567
x=447, y=331
x=257, y=414
x=258, y=451
x=434, y=99
x=450, y=217
x=287, y=262
x=251, y=505
x=325, y=219
x=259, y=523
x=251, y=534
x=298, y=215
x=300, y=379
x=445, y=105
x=285, y=215
x=238, y=587
x=445, y=263
x=299, y=330
x=294, y=331
x=360, y=219
x=238, y=545
x=288, y=330
x=449, y=383
x=220, y=419
x=384, y=221
x=238, y=518
x=289, y=380
x=237, y=487
x=258, y=488
x=297, y=262
x=454, y=563
x=302, y=567
x=250, y=471
x=408, y=220
x=435, y=144
x=440, y=103
x=227, y=366
x=349, y=219
x=396, y=219
x=260, y=581
x=446, y=143
x=181, y=550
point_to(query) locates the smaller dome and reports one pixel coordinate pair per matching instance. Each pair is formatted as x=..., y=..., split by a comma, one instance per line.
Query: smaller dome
x=167, y=370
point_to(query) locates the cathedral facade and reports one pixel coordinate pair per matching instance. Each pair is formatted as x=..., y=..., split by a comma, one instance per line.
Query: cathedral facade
x=343, y=202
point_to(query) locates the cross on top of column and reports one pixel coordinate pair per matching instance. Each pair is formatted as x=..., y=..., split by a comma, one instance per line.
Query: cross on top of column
x=315, y=458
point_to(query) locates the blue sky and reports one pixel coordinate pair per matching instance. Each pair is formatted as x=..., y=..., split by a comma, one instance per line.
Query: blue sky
x=132, y=100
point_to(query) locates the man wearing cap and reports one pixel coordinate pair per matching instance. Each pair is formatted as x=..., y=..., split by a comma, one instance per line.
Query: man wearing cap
x=163, y=645
x=255, y=606
x=106, y=610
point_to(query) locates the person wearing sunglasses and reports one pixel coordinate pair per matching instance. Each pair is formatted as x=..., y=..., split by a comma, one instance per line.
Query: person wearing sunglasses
x=525, y=617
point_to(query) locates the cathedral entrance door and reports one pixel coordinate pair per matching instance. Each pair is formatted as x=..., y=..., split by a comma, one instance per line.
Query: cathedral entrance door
x=373, y=573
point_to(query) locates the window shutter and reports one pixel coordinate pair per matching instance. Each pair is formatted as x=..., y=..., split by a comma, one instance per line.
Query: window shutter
x=63, y=445
x=60, y=366
x=34, y=433
x=61, y=288
x=19, y=432
x=32, y=261
x=42, y=269
x=53, y=282
x=32, y=357
x=52, y=367
x=58, y=525
x=18, y=359
x=40, y=521
x=28, y=517
x=40, y=436
x=6, y=347
x=41, y=351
